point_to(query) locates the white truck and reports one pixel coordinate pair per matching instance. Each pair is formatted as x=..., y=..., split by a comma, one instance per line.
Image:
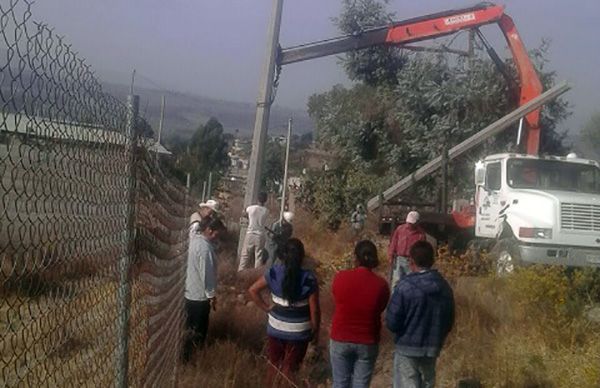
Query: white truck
x=539, y=209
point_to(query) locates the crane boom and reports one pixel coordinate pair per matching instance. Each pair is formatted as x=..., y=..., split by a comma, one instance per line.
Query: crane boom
x=435, y=26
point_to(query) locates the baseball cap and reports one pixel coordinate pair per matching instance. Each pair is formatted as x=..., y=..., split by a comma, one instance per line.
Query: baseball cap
x=412, y=217
x=288, y=216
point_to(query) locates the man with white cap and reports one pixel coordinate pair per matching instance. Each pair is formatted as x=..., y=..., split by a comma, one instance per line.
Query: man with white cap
x=277, y=236
x=402, y=240
x=205, y=209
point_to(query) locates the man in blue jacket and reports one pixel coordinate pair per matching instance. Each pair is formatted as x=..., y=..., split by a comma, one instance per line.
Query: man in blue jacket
x=420, y=314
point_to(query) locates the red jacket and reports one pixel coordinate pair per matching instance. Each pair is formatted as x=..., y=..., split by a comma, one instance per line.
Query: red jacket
x=403, y=239
x=360, y=297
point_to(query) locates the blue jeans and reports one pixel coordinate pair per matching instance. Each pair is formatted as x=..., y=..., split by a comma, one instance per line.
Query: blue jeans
x=399, y=269
x=414, y=372
x=352, y=364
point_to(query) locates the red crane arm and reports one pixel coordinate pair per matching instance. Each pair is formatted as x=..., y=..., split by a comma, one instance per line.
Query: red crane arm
x=434, y=26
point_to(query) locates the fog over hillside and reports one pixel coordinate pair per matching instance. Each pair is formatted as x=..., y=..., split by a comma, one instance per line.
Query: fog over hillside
x=185, y=112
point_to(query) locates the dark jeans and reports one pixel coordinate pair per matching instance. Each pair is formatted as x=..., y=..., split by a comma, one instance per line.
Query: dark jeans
x=196, y=325
x=352, y=364
x=285, y=357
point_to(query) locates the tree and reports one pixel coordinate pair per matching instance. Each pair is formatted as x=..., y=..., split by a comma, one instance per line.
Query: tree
x=204, y=153
x=590, y=134
x=387, y=128
x=272, y=176
x=373, y=65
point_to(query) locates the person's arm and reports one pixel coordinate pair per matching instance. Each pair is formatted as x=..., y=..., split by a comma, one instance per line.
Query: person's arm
x=395, y=313
x=315, y=315
x=451, y=312
x=255, y=291
x=210, y=275
x=392, y=246
x=194, y=227
x=384, y=297
x=276, y=228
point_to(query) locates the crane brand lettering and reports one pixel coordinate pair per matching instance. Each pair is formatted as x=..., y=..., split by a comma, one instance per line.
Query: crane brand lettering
x=467, y=17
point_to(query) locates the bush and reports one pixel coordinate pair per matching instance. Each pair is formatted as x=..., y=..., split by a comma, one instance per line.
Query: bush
x=332, y=195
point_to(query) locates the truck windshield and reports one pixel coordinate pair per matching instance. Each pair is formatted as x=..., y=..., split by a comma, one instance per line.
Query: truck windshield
x=553, y=175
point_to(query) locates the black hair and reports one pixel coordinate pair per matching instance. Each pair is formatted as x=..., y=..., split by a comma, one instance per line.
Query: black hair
x=365, y=253
x=211, y=222
x=262, y=197
x=422, y=254
x=292, y=254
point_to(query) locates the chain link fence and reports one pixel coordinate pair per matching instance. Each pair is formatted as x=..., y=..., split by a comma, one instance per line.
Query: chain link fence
x=92, y=234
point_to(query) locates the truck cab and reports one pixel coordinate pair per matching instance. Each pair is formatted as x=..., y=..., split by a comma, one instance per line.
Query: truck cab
x=542, y=210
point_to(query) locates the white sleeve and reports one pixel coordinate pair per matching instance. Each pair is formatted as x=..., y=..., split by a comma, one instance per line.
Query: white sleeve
x=194, y=227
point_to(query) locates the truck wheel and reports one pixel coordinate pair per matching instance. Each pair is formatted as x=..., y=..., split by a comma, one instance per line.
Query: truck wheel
x=506, y=256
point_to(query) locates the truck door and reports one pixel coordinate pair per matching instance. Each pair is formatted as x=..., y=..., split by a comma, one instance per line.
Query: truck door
x=488, y=202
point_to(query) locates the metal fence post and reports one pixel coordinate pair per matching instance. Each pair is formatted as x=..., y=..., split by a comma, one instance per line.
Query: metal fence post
x=209, y=187
x=124, y=290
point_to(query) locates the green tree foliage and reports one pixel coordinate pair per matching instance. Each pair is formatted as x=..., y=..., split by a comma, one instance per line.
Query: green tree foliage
x=590, y=133
x=333, y=194
x=373, y=65
x=272, y=176
x=386, y=129
x=204, y=153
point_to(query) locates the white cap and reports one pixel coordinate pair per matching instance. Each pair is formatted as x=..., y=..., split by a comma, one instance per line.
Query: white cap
x=412, y=217
x=212, y=204
x=288, y=216
x=359, y=207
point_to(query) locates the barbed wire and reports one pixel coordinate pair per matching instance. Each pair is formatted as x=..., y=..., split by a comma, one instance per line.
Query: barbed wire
x=80, y=194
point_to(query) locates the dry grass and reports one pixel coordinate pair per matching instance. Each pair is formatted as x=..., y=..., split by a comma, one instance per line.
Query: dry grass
x=234, y=353
x=506, y=337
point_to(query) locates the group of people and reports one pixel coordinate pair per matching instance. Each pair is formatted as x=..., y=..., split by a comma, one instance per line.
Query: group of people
x=417, y=301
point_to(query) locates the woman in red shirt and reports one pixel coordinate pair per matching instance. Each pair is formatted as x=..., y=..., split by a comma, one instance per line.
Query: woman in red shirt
x=360, y=297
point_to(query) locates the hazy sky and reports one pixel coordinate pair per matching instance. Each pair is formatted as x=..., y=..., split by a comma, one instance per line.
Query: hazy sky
x=216, y=47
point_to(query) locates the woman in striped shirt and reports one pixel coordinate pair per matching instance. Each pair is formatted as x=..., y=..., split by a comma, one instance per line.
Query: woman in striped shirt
x=294, y=315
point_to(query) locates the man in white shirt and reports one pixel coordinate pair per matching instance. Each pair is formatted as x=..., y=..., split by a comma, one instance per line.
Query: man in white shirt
x=200, y=282
x=254, y=242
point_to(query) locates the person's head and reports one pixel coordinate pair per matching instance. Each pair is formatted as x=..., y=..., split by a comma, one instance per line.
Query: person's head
x=365, y=254
x=421, y=255
x=529, y=175
x=359, y=208
x=211, y=227
x=262, y=198
x=292, y=255
x=288, y=217
x=412, y=218
x=208, y=208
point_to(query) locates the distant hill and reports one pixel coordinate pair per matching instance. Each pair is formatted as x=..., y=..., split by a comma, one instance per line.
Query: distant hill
x=185, y=112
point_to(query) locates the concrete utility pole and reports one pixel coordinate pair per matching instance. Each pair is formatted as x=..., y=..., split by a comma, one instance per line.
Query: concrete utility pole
x=285, y=169
x=263, y=109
